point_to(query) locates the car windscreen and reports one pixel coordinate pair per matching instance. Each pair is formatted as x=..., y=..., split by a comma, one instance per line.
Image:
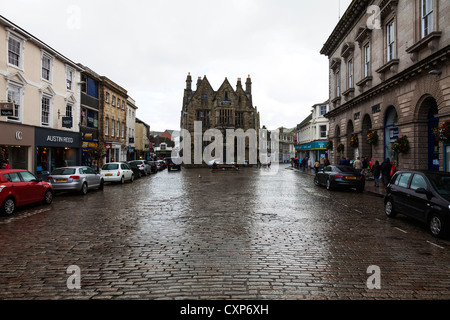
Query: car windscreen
x=110, y=166
x=441, y=183
x=63, y=171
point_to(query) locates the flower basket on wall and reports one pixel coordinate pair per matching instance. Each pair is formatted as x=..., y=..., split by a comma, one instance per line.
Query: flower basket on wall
x=401, y=145
x=340, y=147
x=372, y=137
x=329, y=145
x=354, y=142
x=442, y=132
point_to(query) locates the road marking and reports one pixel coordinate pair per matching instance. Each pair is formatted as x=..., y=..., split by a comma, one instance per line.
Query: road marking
x=401, y=230
x=434, y=244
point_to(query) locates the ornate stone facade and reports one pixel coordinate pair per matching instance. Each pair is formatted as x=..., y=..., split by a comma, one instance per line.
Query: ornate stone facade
x=389, y=73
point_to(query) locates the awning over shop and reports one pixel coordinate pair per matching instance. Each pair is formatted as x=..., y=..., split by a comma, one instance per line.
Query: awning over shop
x=316, y=145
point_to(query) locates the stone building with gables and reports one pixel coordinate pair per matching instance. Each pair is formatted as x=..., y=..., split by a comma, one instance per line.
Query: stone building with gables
x=222, y=109
x=389, y=74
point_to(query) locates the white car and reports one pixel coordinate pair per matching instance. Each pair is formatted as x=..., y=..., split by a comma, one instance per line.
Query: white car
x=117, y=172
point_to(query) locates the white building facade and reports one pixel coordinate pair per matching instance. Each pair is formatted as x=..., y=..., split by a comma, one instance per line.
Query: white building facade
x=39, y=92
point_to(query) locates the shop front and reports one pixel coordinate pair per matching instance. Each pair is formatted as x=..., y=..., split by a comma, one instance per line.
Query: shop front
x=316, y=150
x=56, y=148
x=17, y=145
x=89, y=141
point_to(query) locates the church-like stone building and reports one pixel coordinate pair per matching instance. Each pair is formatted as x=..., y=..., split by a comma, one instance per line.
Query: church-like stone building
x=226, y=108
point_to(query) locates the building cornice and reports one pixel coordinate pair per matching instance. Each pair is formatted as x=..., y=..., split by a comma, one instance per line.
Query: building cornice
x=348, y=21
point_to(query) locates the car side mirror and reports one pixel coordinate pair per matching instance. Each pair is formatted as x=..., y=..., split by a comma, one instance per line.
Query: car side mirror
x=424, y=191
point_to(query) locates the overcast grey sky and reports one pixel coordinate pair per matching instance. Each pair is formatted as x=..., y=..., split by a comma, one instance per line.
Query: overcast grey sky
x=148, y=47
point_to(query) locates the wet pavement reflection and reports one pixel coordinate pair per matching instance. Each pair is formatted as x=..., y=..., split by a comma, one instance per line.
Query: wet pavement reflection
x=198, y=234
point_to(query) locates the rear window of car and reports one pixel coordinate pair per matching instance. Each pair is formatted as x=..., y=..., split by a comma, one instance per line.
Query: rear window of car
x=345, y=169
x=402, y=180
x=13, y=177
x=63, y=172
x=110, y=166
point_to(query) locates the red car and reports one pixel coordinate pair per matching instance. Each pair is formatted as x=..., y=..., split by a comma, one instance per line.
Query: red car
x=21, y=187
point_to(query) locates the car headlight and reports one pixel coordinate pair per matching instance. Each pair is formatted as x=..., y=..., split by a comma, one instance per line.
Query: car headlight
x=1, y=188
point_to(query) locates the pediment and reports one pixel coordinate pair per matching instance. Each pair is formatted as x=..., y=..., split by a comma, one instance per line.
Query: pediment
x=48, y=90
x=17, y=78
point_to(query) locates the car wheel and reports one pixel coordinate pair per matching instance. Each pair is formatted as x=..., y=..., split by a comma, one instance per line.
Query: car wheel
x=436, y=226
x=102, y=185
x=360, y=189
x=84, y=189
x=329, y=186
x=48, y=197
x=316, y=181
x=389, y=209
x=122, y=180
x=8, y=207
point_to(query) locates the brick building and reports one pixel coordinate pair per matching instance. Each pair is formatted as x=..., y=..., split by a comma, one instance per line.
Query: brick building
x=226, y=108
x=389, y=73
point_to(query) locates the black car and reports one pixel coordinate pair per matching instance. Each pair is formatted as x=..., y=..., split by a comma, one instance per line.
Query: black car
x=133, y=166
x=422, y=195
x=343, y=177
x=153, y=166
x=173, y=164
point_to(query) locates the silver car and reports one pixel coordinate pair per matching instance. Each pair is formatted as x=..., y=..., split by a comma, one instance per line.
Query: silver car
x=75, y=179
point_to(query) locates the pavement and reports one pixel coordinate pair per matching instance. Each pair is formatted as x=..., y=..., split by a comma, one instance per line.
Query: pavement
x=369, y=188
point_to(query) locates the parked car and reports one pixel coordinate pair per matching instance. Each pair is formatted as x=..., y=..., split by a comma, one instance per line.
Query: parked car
x=75, y=179
x=138, y=173
x=172, y=164
x=117, y=172
x=421, y=195
x=340, y=177
x=153, y=166
x=21, y=187
x=160, y=165
x=144, y=166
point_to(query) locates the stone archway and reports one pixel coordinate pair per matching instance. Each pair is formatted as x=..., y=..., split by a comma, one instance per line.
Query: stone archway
x=426, y=146
x=350, y=150
x=336, y=142
x=366, y=148
x=391, y=132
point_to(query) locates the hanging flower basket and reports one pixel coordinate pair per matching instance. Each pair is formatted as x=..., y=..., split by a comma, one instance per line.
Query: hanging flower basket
x=340, y=147
x=372, y=137
x=442, y=132
x=401, y=145
x=354, y=142
x=329, y=145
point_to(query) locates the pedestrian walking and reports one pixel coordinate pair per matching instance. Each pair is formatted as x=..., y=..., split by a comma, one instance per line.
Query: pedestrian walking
x=5, y=165
x=376, y=170
x=309, y=164
x=386, y=171
x=357, y=164
x=393, y=169
x=326, y=162
x=316, y=166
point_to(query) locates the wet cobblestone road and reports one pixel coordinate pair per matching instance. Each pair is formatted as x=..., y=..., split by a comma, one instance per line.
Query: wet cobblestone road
x=201, y=235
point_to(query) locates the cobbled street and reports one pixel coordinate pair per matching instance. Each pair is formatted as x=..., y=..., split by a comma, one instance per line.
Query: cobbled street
x=197, y=234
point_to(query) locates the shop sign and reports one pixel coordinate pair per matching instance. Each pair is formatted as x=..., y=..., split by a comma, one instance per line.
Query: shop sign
x=7, y=109
x=19, y=135
x=67, y=122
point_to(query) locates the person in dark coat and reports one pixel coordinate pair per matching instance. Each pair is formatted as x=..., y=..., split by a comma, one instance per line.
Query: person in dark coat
x=376, y=170
x=386, y=171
